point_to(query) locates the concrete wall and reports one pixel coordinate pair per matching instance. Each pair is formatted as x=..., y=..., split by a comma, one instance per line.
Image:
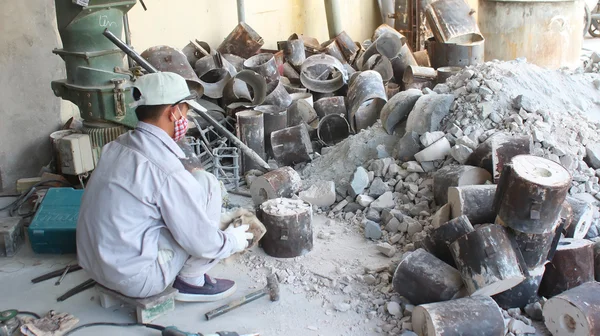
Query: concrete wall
x=29, y=112
x=175, y=24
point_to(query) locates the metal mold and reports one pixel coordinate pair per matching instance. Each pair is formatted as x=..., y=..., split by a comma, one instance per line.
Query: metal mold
x=323, y=73
x=234, y=91
x=289, y=235
x=332, y=129
x=330, y=105
x=277, y=95
x=293, y=50
x=291, y=145
x=366, y=98
x=404, y=59
x=347, y=46
x=422, y=58
x=263, y=64
x=452, y=21
x=165, y=58
x=275, y=119
x=446, y=72
x=416, y=77
x=299, y=112
x=456, y=55
x=243, y=41
x=331, y=48
x=380, y=64
x=235, y=60
x=213, y=77
x=250, y=130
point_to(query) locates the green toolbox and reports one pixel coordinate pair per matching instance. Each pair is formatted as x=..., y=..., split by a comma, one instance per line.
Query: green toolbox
x=52, y=230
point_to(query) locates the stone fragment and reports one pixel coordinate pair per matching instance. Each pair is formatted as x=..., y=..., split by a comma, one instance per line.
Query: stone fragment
x=359, y=182
x=518, y=327
x=437, y=151
x=364, y=200
x=373, y=215
x=386, y=249
x=524, y=102
x=342, y=306
x=413, y=167
x=461, y=153
x=495, y=117
x=353, y=207
x=414, y=227
x=384, y=201
x=372, y=230
x=377, y=188
x=395, y=238
x=320, y=194
x=593, y=154
x=393, y=225
x=408, y=146
x=394, y=309
x=340, y=206
x=494, y=85
x=429, y=138
x=466, y=141
x=534, y=311
x=377, y=167
x=442, y=88
x=369, y=279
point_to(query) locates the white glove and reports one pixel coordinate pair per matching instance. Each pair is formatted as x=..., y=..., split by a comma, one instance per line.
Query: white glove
x=241, y=236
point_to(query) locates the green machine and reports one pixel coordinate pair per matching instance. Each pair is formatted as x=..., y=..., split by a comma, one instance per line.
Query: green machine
x=98, y=81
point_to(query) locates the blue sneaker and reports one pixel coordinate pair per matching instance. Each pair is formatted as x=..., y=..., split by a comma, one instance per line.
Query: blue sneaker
x=213, y=290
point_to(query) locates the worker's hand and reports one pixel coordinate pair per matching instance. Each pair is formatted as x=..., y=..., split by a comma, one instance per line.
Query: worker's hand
x=241, y=236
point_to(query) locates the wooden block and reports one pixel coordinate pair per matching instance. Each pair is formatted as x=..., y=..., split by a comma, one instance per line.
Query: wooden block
x=25, y=184
x=152, y=313
x=147, y=309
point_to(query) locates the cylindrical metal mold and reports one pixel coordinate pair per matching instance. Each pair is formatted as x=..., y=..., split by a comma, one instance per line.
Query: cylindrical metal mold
x=289, y=227
x=454, y=55
x=333, y=128
x=330, y=105
x=575, y=312
x=277, y=95
x=548, y=34
x=524, y=293
x=275, y=119
x=250, y=129
x=293, y=50
x=265, y=65
x=332, y=49
x=446, y=72
x=281, y=182
x=347, y=46
x=243, y=41
x=572, y=265
x=366, y=98
x=291, y=145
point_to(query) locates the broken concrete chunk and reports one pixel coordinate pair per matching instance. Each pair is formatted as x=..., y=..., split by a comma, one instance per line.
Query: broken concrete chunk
x=593, y=154
x=428, y=113
x=534, y=311
x=378, y=188
x=393, y=225
x=364, y=200
x=524, y=102
x=342, y=307
x=384, y=201
x=408, y=146
x=494, y=85
x=520, y=328
x=441, y=216
x=414, y=227
x=340, y=206
x=437, y=151
x=394, y=309
x=413, y=167
x=360, y=181
x=467, y=141
x=372, y=230
x=321, y=194
x=429, y=138
x=461, y=153
x=386, y=249
x=397, y=109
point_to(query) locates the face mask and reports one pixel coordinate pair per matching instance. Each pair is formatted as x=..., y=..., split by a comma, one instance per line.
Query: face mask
x=181, y=126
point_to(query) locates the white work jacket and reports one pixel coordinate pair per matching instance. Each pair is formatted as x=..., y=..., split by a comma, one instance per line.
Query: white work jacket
x=139, y=187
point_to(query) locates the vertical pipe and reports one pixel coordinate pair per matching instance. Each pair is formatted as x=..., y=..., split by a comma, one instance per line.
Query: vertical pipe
x=127, y=37
x=334, y=17
x=241, y=11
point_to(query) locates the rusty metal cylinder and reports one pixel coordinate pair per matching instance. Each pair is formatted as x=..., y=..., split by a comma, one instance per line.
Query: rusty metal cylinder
x=289, y=227
x=454, y=55
x=446, y=72
x=265, y=65
x=243, y=41
x=251, y=131
x=293, y=50
x=275, y=119
x=277, y=95
x=291, y=145
x=331, y=105
x=333, y=128
x=347, y=46
x=281, y=182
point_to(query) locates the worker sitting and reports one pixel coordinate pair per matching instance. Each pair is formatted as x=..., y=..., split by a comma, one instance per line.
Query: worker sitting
x=145, y=221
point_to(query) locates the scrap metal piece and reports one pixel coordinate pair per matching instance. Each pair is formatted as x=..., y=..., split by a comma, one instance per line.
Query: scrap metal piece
x=281, y=182
x=331, y=105
x=289, y=227
x=333, y=128
x=265, y=65
x=387, y=44
x=193, y=53
x=446, y=72
x=232, y=96
x=277, y=95
x=251, y=130
x=347, y=47
x=331, y=48
x=458, y=55
x=291, y=145
x=308, y=97
x=293, y=50
x=452, y=21
x=214, y=77
x=275, y=119
x=169, y=59
x=300, y=112
x=404, y=59
x=396, y=110
x=384, y=28
x=323, y=73
x=235, y=60
x=417, y=77
x=291, y=74
x=311, y=44
x=422, y=58
x=366, y=98
x=243, y=41
x=380, y=64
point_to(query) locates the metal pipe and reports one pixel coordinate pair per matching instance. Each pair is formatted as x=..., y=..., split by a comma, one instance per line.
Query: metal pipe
x=197, y=107
x=334, y=17
x=241, y=11
x=127, y=38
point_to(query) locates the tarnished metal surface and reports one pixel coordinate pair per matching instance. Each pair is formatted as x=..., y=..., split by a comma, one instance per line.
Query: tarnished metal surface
x=331, y=105
x=381, y=64
x=263, y=64
x=232, y=97
x=417, y=75
x=323, y=73
x=277, y=95
x=289, y=227
x=281, y=182
x=291, y=74
x=422, y=58
x=404, y=59
x=193, y=54
x=293, y=51
x=303, y=96
x=452, y=21
x=311, y=44
x=447, y=72
x=331, y=48
x=457, y=55
x=548, y=34
x=213, y=77
x=275, y=119
x=291, y=145
x=243, y=41
x=250, y=129
x=397, y=109
x=165, y=58
x=366, y=98
x=299, y=112
x=333, y=128
x=391, y=89
x=235, y=60
x=347, y=47
x=384, y=28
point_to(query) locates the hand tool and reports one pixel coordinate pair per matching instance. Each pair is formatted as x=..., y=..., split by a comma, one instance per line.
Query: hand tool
x=62, y=277
x=54, y=274
x=198, y=108
x=173, y=331
x=272, y=288
x=77, y=289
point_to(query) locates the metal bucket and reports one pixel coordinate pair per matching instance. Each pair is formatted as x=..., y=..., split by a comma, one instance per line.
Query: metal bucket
x=289, y=227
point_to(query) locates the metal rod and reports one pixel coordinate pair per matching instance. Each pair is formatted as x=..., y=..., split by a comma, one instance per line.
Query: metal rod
x=241, y=11
x=62, y=277
x=198, y=108
x=77, y=289
x=56, y=273
x=127, y=38
x=237, y=303
x=130, y=52
x=334, y=17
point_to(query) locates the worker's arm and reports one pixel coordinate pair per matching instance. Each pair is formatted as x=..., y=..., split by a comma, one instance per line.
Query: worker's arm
x=183, y=203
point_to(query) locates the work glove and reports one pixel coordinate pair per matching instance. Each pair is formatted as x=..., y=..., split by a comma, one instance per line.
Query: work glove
x=240, y=237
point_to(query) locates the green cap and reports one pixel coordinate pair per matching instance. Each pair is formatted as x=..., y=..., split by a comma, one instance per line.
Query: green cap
x=163, y=88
